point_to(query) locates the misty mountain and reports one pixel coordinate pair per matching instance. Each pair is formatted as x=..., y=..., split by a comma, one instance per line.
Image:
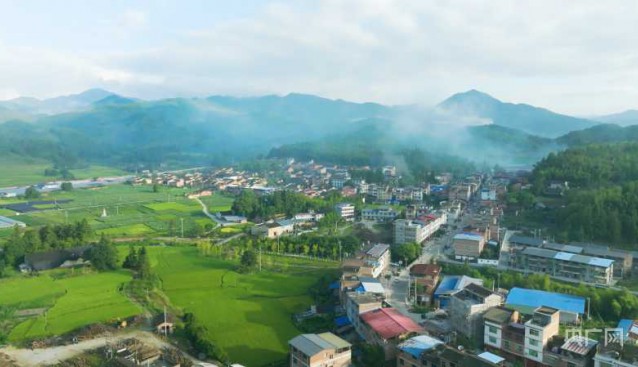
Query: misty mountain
x=110, y=129
x=626, y=118
x=56, y=105
x=524, y=117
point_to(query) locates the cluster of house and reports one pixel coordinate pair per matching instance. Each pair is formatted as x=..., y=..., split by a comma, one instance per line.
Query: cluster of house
x=417, y=230
x=280, y=227
x=223, y=179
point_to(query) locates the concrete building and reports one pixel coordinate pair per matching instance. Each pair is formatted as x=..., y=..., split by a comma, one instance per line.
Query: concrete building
x=378, y=258
x=496, y=320
x=539, y=330
x=467, y=307
x=468, y=245
x=345, y=211
x=418, y=230
x=576, y=351
x=426, y=277
x=384, y=214
x=319, y=350
x=583, y=268
x=387, y=328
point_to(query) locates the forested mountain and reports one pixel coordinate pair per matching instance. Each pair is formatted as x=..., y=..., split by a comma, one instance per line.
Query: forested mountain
x=602, y=202
x=605, y=133
x=530, y=119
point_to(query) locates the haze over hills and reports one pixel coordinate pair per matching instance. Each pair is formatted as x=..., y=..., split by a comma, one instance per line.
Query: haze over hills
x=100, y=126
x=626, y=118
x=530, y=119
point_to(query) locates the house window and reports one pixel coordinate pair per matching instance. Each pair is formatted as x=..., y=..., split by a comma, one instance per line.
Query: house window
x=493, y=330
x=534, y=332
x=532, y=342
x=532, y=353
x=506, y=344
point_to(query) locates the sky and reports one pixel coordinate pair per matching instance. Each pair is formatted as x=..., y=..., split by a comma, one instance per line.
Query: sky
x=572, y=57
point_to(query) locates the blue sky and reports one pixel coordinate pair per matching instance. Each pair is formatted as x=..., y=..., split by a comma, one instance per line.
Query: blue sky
x=575, y=59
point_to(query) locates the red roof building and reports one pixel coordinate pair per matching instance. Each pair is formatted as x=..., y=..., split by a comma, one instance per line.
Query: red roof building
x=387, y=327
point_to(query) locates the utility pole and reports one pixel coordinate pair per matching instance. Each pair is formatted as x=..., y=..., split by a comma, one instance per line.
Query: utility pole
x=182, y=219
x=260, y=258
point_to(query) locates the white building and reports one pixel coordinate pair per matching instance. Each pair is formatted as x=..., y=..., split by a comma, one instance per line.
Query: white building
x=345, y=211
x=417, y=231
x=539, y=330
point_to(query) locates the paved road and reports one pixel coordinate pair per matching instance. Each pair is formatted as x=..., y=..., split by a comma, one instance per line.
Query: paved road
x=207, y=213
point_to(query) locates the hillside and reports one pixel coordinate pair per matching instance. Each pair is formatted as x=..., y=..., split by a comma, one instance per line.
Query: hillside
x=527, y=118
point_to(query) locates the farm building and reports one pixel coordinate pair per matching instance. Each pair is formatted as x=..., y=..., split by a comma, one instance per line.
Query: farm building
x=9, y=223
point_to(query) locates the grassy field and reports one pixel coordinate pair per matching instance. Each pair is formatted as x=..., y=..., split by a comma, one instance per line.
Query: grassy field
x=131, y=210
x=249, y=315
x=15, y=171
x=218, y=203
x=76, y=301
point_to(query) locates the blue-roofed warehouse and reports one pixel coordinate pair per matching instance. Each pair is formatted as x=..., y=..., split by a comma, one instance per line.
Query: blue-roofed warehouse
x=527, y=300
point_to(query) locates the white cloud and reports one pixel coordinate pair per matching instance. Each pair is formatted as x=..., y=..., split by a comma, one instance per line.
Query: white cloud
x=573, y=58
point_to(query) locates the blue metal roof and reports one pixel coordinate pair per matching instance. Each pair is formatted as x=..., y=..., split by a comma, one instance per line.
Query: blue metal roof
x=536, y=298
x=342, y=321
x=447, y=284
x=334, y=285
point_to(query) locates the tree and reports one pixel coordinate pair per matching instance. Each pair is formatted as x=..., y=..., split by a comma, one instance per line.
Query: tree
x=249, y=259
x=66, y=186
x=31, y=193
x=144, y=265
x=131, y=261
x=156, y=188
x=103, y=255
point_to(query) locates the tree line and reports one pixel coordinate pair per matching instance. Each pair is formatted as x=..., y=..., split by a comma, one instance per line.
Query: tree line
x=286, y=203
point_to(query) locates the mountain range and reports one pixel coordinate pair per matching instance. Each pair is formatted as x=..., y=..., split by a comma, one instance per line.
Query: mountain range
x=101, y=126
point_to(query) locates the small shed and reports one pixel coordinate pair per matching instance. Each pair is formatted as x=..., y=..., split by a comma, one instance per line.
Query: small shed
x=164, y=324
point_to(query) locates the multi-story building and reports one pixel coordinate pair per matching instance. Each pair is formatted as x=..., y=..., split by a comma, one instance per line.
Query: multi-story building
x=384, y=214
x=504, y=334
x=417, y=231
x=319, y=350
x=467, y=307
x=543, y=325
x=345, y=211
x=371, y=262
x=426, y=277
x=623, y=260
x=461, y=192
x=583, y=268
x=359, y=303
x=387, y=328
x=468, y=245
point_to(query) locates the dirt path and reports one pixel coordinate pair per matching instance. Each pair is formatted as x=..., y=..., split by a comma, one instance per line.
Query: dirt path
x=53, y=355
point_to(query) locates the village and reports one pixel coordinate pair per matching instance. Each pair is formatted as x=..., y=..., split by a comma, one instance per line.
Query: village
x=444, y=306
